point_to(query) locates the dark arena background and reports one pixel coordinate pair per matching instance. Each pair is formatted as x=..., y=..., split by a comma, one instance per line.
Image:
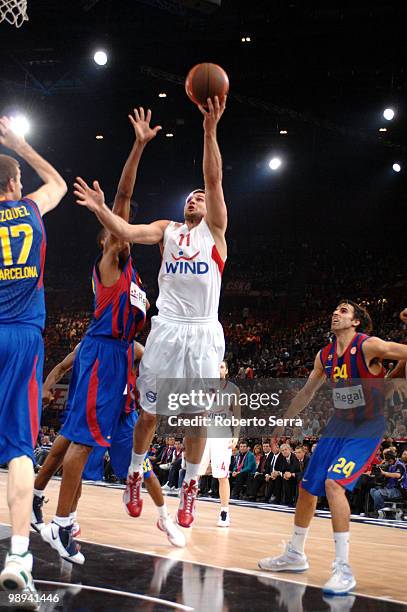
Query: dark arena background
x=315, y=184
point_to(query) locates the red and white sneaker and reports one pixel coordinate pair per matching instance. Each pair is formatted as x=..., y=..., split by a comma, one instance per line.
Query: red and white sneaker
x=76, y=529
x=132, y=495
x=186, y=509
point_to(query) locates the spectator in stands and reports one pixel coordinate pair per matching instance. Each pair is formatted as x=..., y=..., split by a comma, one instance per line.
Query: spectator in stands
x=273, y=489
x=246, y=465
x=173, y=474
x=257, y=482
x=302, y=460
x=163, y=462
x=393, y=474
x=42, y=451
x=286, y=477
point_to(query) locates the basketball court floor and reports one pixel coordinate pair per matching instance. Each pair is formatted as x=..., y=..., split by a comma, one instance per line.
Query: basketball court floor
x=130, y=565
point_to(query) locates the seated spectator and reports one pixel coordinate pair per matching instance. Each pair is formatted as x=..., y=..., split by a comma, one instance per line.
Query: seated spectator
x=272, y=475
x=173, y=474
x=41, y=452
x=246, y=464
x=257, y=482
x=286, y=476
x=395, y=476
x=163, y=461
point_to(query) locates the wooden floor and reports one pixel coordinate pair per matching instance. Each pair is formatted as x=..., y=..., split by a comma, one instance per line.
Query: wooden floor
x=378, y=554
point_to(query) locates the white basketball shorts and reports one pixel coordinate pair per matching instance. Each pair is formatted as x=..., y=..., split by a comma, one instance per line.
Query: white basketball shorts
x=218, y=451
x=179, y=349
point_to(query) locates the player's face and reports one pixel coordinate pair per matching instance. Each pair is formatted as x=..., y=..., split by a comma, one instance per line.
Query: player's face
x=343, y=318
x=195, y=207
x=16, y=186
x=223, y=370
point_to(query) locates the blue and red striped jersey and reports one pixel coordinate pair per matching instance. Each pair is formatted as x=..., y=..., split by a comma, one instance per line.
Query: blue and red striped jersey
x=119, y=310
x=22, y=257
x=358, y=394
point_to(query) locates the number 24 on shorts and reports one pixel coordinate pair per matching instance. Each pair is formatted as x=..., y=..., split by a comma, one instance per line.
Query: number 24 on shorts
x=343, y=467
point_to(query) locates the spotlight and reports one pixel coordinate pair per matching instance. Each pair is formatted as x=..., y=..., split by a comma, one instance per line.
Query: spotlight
x=274, y=163
x=20, y=125
x=382, y=129
x=162, y=95
x=388, y=114
x=283, y=132
x=100, y=58
x=99, y=136
x=396, y=167
x=169, y=135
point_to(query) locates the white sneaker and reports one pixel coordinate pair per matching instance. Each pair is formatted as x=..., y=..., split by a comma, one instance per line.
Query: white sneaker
x=224, y=519
x=290, y=561
x=342, y=580
x=16, y=576
x=166, y=487
x=61, y=539
x=174, y=535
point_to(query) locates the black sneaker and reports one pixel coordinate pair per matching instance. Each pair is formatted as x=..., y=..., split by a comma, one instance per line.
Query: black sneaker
x=37, y=519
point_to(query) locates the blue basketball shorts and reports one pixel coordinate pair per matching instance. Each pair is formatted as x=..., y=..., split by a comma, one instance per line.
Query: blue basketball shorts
x=21, y=370
x=96, y=391
x=343, y=454
x=119, y=452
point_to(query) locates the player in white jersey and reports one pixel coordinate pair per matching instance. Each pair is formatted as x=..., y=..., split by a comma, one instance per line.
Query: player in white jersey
x=221, y=438
x=186, y=339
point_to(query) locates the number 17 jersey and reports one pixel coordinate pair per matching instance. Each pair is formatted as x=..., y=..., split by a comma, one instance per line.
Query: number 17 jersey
x=22, y=258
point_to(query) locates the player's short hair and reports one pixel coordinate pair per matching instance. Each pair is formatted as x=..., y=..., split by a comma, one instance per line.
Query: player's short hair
x=8, y=170
x=193, y=192
x=361, y=314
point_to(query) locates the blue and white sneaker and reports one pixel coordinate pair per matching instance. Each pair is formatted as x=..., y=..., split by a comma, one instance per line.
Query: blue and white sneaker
x=342, y=580
x=290, y=561
x=16, y=578
x=61, y=539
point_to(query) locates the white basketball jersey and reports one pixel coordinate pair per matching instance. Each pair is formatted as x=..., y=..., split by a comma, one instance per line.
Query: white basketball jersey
x=191, y=272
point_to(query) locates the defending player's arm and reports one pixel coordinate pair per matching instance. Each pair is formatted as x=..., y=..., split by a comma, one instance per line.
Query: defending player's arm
x=94, y=200
x=51, y=193
x=375, y=348
x=144, y=133
x=305, y=395
x=138, y=352
x=216, y=216
x=114, y=247
x=56, y=374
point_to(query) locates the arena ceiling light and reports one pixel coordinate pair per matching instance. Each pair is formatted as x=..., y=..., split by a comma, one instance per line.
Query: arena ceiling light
x=275, y=163
x=20, y=125
x=388, y=114
x=396, y=167
x=100, y=57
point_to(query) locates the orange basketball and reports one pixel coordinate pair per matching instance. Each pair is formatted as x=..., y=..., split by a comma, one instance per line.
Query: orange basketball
x=206, y=81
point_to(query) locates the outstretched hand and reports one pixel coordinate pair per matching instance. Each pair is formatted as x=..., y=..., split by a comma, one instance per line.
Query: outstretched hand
x=8, y=138
x=93, y=199
x=214, y=112
x=141, y=124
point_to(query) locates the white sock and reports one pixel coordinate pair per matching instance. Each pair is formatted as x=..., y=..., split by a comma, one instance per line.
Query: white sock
x=19, y=545
x=38, y=493
x=342, y=545
x=224, y=509
x=163, y=511
x=136, y=464
x=192, y=472
x=63, y=521
x=298, y=538
x=72, y=516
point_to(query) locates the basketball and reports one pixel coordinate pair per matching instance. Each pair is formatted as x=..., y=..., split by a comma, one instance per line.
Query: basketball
x=206, y=81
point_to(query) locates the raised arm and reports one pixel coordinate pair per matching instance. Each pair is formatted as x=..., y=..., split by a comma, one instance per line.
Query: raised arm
x=94, y=200
x=216, y=216
x=305, y=395
x=57, y=373
x=51, y=193
x=144, y=133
